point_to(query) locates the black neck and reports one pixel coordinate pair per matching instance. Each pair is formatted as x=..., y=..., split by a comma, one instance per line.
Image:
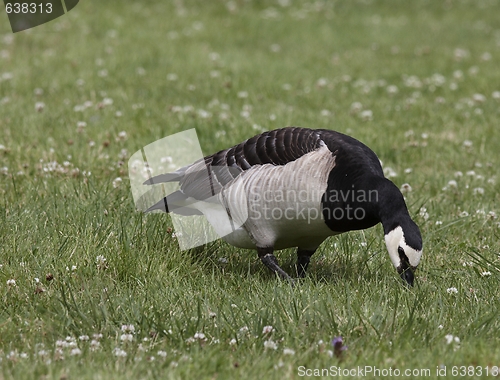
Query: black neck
x=363, y=203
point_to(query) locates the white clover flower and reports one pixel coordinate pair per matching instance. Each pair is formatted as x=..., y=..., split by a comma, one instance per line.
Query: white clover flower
x=242, y=94
x=412, y=81
x=460, y=54
x=199, y=336
x=423, y=213
x=452, y=183
x=322, y=82
x=172, y=77
x=128, y=329
x=122, y=136
x=118, y=352
x=452, y=290
x=270, y=344
x=101, y=262
x=478, y=98
x=39, y=106
x=486, y=273
x=12, y=355
x=232, y=342
x=61, y=343
x=406, y=188
x=473, y=70
x=75, y=351
x=390, y=172
x=83, y=338
x=267, y=330
x=467, y=144
x=452, y=339
x=486, y=56
x=214, y=56
x=204, y=114
x=478, y=191
x=392, y=90
x=6, y=76
x=244, y=329
x=366, y=115
x=43, y=353
x=356, y=107
x=496, y=95
x=162, y=354
x=275, y=48
x=117, y=182
x=11, y=282
x=437, y=80
x=126, y=337
x=288, y=351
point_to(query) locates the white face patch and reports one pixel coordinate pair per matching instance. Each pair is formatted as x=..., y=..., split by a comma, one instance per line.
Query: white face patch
x=396, y=239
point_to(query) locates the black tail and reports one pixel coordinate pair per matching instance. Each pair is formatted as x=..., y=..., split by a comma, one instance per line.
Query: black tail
x=167, y=177
x=171, y=200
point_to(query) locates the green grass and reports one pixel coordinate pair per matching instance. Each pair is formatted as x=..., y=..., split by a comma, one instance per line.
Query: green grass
x=293, y=62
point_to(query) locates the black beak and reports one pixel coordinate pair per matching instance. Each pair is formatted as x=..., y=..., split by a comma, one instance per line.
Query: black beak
x=405, y=270
x=407, y=275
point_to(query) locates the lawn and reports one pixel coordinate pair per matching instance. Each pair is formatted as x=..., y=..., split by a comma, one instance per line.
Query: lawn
x=91, y=288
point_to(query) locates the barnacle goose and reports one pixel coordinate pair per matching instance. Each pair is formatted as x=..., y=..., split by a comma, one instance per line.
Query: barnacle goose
x=297, y=187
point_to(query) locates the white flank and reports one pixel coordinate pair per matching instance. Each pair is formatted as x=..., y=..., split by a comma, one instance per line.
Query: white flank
x=279, y=206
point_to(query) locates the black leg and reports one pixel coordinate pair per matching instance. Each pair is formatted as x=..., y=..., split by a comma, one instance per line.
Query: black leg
x=270, y=261
x=303, y=258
